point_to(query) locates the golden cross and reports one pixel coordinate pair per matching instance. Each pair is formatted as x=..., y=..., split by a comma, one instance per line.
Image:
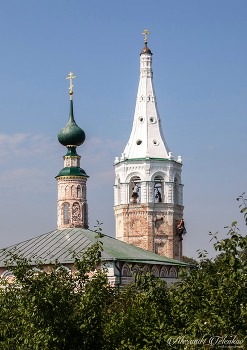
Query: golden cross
x=71, y=85
x=146, y=32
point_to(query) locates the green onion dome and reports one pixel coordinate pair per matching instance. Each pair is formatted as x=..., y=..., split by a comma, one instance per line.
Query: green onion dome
x=71, y=134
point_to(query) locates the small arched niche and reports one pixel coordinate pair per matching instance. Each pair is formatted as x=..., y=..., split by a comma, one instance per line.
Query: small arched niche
x=163, y=272
x=126, y=270
x=8, y=275
x=173, y=272
x=67, y=191
x=135, y=270
x=78, y=191
x=155, y=271
x=74, y=191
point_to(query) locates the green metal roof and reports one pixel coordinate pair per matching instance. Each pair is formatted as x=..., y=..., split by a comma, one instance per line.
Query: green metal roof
x=59, y=244
x=71, y=152
x=72, y=171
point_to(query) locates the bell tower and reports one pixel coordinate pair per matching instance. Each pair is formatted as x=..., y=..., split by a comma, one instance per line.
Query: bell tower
x=148, y=191
x=72, y=210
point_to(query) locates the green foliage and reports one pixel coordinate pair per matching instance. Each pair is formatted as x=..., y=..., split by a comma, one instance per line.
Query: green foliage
x=190, y=261
x=139, y=315
x=243, y=206
x=54, y=308
x=57, y=309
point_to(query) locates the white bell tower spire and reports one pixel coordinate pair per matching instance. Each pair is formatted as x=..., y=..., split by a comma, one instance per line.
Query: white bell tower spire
x=148, y=191
x=146, y=139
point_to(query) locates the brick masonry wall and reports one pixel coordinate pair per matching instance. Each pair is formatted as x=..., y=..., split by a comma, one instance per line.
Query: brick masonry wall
x=151, y=226
x=72, y=191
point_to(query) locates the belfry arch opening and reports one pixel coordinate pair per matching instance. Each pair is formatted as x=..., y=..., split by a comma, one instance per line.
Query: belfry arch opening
x=135, y=190
x=159, y=189
x=118, y=192
x=176, y=191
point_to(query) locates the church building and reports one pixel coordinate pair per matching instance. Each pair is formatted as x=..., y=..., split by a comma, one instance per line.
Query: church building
x=148, y=191
x=148, y=201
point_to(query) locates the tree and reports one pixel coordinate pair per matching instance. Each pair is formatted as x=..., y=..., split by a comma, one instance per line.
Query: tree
x=54, y=308
x=207, y=308
x=191, y=261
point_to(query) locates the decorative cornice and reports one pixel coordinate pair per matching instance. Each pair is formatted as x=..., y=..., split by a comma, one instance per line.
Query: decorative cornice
x=71, y=177
x=147, y=159
x=71, y=157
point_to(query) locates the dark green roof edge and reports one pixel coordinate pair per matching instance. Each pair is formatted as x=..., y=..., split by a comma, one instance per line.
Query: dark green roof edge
x=135, y=159
x=151, y=261
x=72, y=171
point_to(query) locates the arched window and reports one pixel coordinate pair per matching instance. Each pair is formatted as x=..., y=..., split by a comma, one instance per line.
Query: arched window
x=163, y=272
x=78, y=191
x=155, y=271
x=66, y=214
x=135, y=270
x=146, y=269
x=173, y=272
x=126, y=270
x=7, y=274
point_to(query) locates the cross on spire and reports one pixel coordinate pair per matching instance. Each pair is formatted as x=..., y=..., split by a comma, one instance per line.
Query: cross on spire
x=146, y=32
x=71, y=85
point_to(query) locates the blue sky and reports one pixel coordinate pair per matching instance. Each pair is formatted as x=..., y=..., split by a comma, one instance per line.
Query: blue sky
x=200, y=78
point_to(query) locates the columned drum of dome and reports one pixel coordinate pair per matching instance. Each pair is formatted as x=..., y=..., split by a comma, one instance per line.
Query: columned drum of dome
x=148, y=191
x=72, y=209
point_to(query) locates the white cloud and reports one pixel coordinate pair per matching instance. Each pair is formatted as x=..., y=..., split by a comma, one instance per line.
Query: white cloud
x=97, y=160
x=21, y=145
x=23, y=179
x=97, y=151
x=25, y=160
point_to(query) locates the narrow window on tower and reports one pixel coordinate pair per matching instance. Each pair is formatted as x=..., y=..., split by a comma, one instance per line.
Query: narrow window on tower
x=85, y=222
x=176, y=195
x=78, y=191
x=66, y=214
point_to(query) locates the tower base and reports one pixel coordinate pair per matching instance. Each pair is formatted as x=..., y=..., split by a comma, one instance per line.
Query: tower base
x=151, y=226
